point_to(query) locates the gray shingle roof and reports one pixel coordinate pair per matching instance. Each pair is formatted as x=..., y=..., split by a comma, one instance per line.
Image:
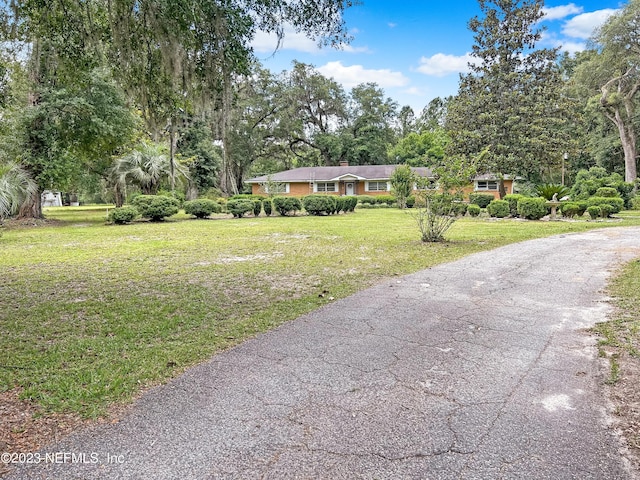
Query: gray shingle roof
x=323, y=174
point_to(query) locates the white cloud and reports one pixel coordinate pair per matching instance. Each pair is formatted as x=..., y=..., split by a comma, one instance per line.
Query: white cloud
x=353, y=75
x=414, y=91
x=392, y=25
x=351, y=49
x=551, y=40
x=561, y=11
x=268, y=42
x=441, y=65
x=584, y=25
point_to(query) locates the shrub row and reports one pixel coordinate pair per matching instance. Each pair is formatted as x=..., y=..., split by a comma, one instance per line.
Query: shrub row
x=328, y=204
x=377, y=199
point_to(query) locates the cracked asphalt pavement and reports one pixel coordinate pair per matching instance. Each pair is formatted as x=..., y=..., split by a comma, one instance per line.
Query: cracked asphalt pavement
x=476, y=369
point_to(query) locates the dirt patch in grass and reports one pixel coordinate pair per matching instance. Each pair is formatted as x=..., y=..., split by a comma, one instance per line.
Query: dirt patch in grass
x=25, y=428
x=13, y=223
x=620, y=343
x=625, y=396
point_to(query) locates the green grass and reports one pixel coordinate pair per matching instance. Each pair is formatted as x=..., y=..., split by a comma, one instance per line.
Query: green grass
x=621, y=335
x=93, y=313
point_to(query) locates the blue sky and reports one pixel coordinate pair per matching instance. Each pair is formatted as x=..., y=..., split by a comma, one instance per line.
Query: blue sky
x=415, y=50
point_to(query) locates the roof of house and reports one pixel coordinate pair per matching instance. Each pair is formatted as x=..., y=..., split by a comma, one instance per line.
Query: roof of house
x=334, y=174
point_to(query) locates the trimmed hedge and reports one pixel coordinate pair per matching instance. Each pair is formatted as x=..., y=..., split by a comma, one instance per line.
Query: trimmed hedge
x=367, y=199
x=123, y=215
x=459, y=208
x=473, y=210
x=481, y=199
x=513, y=198
x=156, y=207
x=287, y=205
x=615, y=204
x=267, y=206
x=532, y=208
x=608, y=192
x=594, y=212
x=239, y=207
x=498, y=208
x=320, y=204
x=202, y=207
x=570, y=209
x=385, y=199
x=257, y=207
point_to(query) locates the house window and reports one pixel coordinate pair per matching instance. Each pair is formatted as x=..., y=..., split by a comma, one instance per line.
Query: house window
x=377, y=187
x=486, y=185
x=326, y=187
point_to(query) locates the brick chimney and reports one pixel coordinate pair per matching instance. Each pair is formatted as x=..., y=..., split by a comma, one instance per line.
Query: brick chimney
x=344, y=163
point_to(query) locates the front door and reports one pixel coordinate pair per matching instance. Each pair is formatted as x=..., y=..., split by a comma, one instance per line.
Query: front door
x=349, y=192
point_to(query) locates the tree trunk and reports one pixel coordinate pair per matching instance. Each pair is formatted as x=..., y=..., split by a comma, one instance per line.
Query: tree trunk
x=501, y=190
x=32, y=208
x=628, y=140
x=173, y=142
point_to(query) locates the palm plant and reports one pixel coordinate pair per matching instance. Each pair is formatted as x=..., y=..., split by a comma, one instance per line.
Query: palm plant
x=548, y=190
x=147, y=166
x=16, y=187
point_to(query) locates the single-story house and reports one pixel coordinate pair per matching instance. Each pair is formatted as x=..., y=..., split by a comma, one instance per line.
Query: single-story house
x=353, y=180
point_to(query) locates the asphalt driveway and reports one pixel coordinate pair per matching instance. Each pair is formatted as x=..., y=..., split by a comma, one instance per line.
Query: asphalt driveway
x=479, y=368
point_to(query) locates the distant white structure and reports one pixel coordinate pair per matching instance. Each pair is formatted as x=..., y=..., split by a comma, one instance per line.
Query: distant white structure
x=51, y=199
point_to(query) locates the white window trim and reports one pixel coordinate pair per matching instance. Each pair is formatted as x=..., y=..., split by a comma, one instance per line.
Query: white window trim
x=367, y=189
x=486, y=189
x=335, y=187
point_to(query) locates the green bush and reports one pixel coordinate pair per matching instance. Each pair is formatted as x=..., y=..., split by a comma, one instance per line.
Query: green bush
x=459, y=208
x=513, y=198
x=341, y=203
x=320, y=204
x=570, y=209
x=594, y=212
x=532, y=208
x=616, y=204
x=481, y=199
x=178, y=195
x=498, y=208
x=239, y=207
x=411, y=201
x=366, y=199
x=287, y=205
x=202, y=207
x=257, y=207
x=635, y=203
x=608, y=192
x=385, y=199
x=156, y=207
x=123, y=215
x=473, y=210
x=267, y=206
x=589, y=181
x=351, y=203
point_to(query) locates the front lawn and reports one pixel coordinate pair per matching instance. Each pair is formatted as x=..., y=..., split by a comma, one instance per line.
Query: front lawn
x=93, y=313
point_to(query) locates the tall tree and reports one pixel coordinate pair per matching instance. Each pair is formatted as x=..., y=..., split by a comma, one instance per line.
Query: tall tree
x=511, y=102
x=319, y=105
x=371, y=120
x=170, y=55
x=613, y=75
